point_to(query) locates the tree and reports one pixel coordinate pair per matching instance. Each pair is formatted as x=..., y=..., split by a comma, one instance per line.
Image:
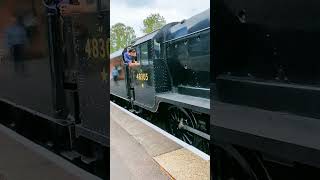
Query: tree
x=120, y=36
x=153, y=22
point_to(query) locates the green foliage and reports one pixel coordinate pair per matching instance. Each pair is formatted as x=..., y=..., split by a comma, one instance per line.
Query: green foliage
x=153, y=22
x=120, y=36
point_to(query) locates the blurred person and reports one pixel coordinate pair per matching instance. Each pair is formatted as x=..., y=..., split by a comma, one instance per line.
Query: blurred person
x=115, y=73
x=16, y=40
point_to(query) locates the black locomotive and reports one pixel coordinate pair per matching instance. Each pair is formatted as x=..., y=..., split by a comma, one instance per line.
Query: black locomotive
x=53, y=70
x=171, y=76
x=265, y=121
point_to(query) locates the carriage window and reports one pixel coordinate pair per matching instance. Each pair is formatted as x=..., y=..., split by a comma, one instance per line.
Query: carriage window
x=144, y=54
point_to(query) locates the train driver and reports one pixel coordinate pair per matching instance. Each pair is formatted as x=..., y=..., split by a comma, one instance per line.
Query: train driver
x=128, y=56
x=131, y=58
x=134, y=56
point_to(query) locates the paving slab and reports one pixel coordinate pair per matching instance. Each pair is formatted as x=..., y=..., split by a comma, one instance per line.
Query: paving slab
x=155, y=143
x=183, y=164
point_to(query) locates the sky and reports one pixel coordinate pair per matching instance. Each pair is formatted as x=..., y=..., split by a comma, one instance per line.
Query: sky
x=132, y=12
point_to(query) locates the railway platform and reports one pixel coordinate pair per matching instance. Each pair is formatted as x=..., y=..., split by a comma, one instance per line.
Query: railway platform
x=140, y=150
x=22, y=159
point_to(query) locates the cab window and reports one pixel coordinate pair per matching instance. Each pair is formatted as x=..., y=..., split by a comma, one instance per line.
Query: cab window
x=143, y=54
x=157, y=50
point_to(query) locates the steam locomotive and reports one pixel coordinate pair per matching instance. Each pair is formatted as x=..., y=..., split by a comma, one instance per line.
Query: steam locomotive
x=171, y=77
x=53, y=86
x=266, y=81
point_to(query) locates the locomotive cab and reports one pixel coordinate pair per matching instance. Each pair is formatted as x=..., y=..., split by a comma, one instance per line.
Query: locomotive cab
x=142, y=72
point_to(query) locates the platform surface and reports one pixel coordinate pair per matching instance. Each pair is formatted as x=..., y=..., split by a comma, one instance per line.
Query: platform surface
x=141, y=151
x=128, y=159
x=21, y=159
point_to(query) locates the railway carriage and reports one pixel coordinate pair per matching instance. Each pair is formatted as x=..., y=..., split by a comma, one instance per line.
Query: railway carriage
x=172, y=76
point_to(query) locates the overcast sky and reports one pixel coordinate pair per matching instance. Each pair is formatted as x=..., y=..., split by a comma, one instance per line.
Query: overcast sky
x=132, y=12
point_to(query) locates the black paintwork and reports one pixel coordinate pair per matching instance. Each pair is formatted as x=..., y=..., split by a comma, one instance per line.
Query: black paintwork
x=93, y=79
x=144, y=91
x=188, y=59
x=24, y=89
x=266, y=77
x=29, y=81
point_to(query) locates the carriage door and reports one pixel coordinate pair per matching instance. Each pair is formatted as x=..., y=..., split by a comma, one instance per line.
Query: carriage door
x=142, y=76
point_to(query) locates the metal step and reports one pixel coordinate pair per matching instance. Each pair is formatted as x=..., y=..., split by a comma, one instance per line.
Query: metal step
x=71, y=155
x=49, y=144
x=88, y=160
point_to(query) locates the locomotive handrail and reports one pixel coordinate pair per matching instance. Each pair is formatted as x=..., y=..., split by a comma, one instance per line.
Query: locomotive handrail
x=199, y=31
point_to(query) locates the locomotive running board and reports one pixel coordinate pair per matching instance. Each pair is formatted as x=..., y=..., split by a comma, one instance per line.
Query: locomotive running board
x=61, y=122
x=92, y=135
x=190, y=102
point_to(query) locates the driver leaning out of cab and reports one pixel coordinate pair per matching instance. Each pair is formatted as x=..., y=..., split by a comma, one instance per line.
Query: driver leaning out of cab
x=130, y=57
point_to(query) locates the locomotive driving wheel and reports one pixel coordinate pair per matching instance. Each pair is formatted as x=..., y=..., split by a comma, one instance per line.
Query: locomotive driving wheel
x=229, y=164
x=177, y=119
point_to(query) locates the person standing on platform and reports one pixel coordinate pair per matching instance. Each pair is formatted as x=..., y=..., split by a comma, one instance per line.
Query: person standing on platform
x=16, y=40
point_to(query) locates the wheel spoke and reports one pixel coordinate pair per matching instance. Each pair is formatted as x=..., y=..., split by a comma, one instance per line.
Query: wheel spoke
x=183, y=138
x=186, y=137
x=173, y=118
x=178, y=115
x=189, y=134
